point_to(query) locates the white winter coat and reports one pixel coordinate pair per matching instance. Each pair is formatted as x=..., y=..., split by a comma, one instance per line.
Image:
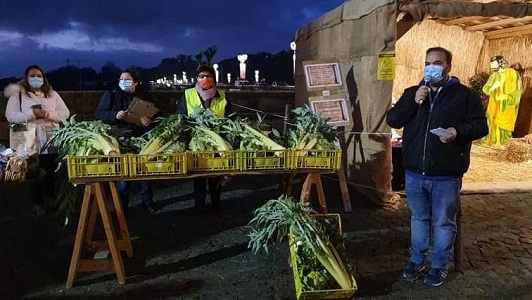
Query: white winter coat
x=20, y=111
x=54, y=105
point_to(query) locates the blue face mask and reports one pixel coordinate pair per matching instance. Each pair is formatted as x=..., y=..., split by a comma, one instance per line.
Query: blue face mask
x=35, y=82
x=433, y=74
x=125, y=84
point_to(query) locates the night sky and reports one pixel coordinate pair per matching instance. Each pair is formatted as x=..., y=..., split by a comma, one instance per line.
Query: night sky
x=91, y=33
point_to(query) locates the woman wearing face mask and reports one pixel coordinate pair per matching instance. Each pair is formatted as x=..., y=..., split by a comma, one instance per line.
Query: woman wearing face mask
x=33, y=101
x=205, y=95
x=112, y=110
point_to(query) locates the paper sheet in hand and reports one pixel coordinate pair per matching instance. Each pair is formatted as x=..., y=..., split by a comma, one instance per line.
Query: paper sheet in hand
x=138, y=109
x=441, y=132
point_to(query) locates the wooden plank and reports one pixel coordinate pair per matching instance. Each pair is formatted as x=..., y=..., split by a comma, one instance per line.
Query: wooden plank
x=196, y=175
x=461, y=20
x=321, y=195
x=504, y=22
x=510, y=34
x=93, y=217
x=346, y=199
x=110, y=234
x=80, y=236
x=314, y=179
x=103, y=245
x=515, y=30
x=458, y=246
x=288, y=182
x=94, y=265
x=125, y=242
x=307, y=186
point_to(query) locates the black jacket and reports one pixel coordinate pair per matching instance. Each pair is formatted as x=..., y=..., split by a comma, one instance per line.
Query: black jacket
x=454, y=106
x=116, y=100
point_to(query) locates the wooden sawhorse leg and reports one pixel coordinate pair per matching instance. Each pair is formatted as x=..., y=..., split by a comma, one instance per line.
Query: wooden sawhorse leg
x=458, y=246
x=314, y=179
x=288, y=182
x=343, y=189
x=94, y=203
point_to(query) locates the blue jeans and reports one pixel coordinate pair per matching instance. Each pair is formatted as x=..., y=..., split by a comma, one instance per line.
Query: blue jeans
x=432, y=202
x=146, y=193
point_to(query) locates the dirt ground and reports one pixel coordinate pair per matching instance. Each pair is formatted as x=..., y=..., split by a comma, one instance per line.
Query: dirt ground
x=488, y=165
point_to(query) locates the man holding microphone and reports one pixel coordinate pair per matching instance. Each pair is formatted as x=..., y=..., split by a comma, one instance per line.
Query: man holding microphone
x=440, y=117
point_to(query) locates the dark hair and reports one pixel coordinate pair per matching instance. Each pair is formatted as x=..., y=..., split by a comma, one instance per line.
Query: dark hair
x=500, y=60
x=134, y=74
x=205, y=68
x=448, y=54
x=45, y=88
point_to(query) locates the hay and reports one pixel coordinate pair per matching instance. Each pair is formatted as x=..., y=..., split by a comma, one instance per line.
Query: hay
x=410, y=52
x=514, y=49
x=517, y=150
x=488, y=165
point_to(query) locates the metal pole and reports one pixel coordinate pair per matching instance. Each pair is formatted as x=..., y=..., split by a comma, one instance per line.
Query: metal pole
x=286, y=118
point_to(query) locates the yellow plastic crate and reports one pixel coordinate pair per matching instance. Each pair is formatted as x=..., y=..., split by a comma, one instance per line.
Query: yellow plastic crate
x=89, y=166
x=207, y=161
x=159, y=164
x=316, y=159
x=265, y=160
x=318, y=294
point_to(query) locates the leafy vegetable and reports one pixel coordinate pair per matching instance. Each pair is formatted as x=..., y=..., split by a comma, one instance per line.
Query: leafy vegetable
x=311, y=131
x=277, y=216
x=83, y=138
x=168, y=132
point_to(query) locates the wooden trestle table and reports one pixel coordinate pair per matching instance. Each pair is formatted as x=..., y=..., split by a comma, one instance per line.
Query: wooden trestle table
x=95, y=203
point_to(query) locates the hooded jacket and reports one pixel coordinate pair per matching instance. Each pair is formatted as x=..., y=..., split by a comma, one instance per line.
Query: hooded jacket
x=20, y=111
x=453, y=105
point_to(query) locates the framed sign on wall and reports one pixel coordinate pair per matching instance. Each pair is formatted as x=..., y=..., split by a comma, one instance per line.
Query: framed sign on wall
x=322, y=75
x=333, y=109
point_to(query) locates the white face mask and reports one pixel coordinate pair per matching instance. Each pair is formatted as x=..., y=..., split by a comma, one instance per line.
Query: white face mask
x=125, y=84
x=494, y=65
x=35, y=82
x=433, y=74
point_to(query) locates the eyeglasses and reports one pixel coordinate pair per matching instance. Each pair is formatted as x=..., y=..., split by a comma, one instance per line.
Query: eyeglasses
x=201, y=76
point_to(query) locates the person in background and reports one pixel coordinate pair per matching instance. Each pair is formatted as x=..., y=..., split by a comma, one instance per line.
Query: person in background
x=112, y=110
x=207, y=96
x=32, y=100
x=504, y=88
x=435, y=160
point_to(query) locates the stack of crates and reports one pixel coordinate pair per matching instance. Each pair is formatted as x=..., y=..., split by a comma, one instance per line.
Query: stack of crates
x=194, y=162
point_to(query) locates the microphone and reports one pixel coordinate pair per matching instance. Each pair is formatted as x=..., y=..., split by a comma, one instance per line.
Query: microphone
x=426, y=80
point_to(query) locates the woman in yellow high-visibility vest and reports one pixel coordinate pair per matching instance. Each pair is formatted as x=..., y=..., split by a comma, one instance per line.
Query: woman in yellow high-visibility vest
x=207, y=96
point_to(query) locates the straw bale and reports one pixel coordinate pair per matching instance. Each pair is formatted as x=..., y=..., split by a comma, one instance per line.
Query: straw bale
x=517, y=150
x=411, y=47
x=514, y=49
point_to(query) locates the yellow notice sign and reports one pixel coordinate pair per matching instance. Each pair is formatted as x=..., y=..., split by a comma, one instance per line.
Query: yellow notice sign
x=386, y=67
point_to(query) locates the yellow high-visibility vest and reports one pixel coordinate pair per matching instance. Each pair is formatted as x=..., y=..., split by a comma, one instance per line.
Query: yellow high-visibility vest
x=193, y=100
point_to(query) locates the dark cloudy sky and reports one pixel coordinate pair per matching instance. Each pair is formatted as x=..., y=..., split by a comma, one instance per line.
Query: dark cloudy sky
x=137, y=32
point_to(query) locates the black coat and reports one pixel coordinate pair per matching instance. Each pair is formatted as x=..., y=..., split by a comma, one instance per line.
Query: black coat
x=116, y=100
x=455, y=106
